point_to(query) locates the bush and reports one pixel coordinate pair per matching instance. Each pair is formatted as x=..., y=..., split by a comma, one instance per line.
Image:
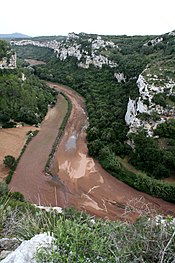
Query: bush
x=9, y=161
x=3, y=188
x=17, y=196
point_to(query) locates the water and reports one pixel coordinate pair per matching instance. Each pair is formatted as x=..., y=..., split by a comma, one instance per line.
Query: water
x=71, y=143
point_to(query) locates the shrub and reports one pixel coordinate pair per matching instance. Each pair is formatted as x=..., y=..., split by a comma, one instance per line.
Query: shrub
x=9, y=160
x=17, y=196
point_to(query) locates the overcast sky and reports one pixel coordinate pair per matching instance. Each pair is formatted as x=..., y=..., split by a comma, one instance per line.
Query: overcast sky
x=113, y=17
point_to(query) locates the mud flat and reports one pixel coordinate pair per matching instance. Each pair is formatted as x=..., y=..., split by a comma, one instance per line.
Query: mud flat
x=29, y=177
x=87, y=185
x=78, y=180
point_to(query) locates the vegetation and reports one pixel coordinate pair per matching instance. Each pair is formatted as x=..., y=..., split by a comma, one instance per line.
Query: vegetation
x=166, y=129
x=79, y=237
x=148, y=156
x=9, y=160
x=23, y=101
x=5, y=49
x=30, y=52
x=106, y=102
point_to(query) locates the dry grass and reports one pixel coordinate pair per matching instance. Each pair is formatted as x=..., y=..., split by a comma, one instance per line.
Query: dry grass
x=11, y=143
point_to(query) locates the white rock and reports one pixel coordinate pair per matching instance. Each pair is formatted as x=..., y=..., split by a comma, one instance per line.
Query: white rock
x=147, y=92
x=131, y=112
x=154, y=41
x=49, y=209
x=141, y=107
x=143, y=87
x=120, y=77
x=26, y=251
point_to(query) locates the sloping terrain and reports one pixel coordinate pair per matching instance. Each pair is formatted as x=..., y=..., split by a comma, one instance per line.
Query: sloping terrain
x=128, y=86
x=29, y=177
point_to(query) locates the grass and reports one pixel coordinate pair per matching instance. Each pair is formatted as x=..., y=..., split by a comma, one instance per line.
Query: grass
x=81, y=238
x=127, y=166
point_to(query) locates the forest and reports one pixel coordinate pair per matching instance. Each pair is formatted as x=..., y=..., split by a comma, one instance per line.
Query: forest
x=23, y=100
x=4, y=49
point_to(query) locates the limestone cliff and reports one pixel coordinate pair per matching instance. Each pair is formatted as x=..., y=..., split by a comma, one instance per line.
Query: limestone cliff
x=146, y=112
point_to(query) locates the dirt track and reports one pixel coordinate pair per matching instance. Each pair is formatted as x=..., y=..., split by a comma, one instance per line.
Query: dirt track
x=80, y=182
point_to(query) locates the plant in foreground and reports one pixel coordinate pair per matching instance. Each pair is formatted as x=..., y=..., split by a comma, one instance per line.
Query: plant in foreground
x=80, y=238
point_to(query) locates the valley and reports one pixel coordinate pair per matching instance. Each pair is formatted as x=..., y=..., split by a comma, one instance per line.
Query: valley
x=77, y=179
x=119, y=103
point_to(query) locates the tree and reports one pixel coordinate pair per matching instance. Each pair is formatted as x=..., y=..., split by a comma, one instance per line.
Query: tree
x=9, y=161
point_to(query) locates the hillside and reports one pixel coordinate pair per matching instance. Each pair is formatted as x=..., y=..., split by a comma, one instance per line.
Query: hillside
x=24, y=98
x=13, y=36
x=128, y=84
x=56, y=235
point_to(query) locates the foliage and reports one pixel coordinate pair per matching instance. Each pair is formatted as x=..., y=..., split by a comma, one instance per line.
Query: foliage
x=29, y=52
x=166, y=129
x=3, y=188
x=160, y=99
x=9, y=160
x=23, y=101
x=139, y=181
x=158, y=163
x=79, y=237
x=4, y=49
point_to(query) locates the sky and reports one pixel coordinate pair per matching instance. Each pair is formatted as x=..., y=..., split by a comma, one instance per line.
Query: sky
x=107, y=17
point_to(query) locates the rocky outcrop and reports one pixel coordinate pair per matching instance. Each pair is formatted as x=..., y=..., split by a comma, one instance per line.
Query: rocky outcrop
x=72, y=47
x=25, y=253
x=120, y=77
x=7, y=245
x=50, y=209
x=154, y=41
x=8, y=62
x=142, y=112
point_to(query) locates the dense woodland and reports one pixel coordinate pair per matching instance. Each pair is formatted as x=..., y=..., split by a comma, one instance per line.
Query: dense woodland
x=23, y=101
x=106, y=102
x=4, y=49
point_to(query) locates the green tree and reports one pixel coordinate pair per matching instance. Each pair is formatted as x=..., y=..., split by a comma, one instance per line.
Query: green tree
x=9, y=161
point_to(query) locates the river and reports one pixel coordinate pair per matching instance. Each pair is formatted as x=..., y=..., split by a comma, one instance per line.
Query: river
x=78, y=180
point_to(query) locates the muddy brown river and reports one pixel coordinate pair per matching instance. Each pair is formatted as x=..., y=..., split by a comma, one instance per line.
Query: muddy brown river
x=78, y=180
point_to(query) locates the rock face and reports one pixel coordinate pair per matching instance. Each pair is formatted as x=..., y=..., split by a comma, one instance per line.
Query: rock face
x=26, y=251
x=145, y=104
x=86, y=54
x=120, y=77
x=8, y=63
x=154, y=41
x=7, y=245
